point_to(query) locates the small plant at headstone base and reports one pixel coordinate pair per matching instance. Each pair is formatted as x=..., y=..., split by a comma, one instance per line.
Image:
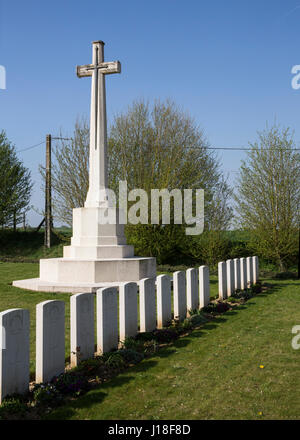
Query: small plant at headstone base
x=210, y=308
x=46, y=395
x=218, y=307
x=165, y=335
x=144, y=336
x=233, y=300
x=242, y=295
x=90, y=367
x=71, y=383
x=115, y=361
x=256, y=288
x=133, y=344
x=186, y=324
x=198, y=318
x=150, y=347
x=14, y=405
x=222, y=307
x=131, y=356
x=192, y=312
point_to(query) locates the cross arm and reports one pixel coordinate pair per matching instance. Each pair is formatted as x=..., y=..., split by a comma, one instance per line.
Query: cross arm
x=105, y=68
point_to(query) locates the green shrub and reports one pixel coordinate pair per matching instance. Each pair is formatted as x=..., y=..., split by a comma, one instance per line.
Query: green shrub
x=130, y=356
x=71, y=383
x=133, y=344
x=13, y=405
x=46, y=394
x=256, y=288
x=164, y=335
x=90, y=367
x=115, y=361
x=285, y=275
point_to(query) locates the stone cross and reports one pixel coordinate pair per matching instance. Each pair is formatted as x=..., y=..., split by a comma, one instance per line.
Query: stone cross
x=97, y=193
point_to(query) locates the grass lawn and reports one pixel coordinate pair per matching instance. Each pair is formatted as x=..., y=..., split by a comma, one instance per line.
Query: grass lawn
x=214, y=373
x=12, y=297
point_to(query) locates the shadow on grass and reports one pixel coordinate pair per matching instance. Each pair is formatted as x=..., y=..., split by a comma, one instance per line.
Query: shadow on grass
x=99, y=393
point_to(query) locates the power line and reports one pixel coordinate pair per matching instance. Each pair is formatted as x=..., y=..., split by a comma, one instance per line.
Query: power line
x=250, y=149
x=37, y=145
x=207, y=148
x=29, y=148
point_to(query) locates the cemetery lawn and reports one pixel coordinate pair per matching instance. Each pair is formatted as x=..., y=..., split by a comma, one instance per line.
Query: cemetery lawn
x=12, y=297
x=213, y=373
x=239, y=366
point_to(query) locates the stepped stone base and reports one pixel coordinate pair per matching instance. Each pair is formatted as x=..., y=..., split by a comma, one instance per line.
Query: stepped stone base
x=75, y=276
x=98, y=256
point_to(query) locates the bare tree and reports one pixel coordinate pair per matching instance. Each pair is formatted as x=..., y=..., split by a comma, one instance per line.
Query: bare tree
x=70, y=176
x=268, y=196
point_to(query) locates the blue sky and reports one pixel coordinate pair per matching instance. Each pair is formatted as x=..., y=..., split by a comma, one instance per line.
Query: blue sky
x=227, y=62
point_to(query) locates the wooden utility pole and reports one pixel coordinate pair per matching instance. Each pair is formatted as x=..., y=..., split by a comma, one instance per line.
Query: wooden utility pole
x=48, y=201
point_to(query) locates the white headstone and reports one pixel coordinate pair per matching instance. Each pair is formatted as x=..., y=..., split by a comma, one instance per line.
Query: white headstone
x=237, y=274
x=147, y=305
x=230, y=277
x=204, y=287
x=14, y=352
x=82, y=327
x=249, y=271
x=192, y=293
x=243, y=268
x=107, y=319
x=50, y=340
x=164, y=306
x=128, y=304
x=222, y=280
x=255, y=269
x=179, y=295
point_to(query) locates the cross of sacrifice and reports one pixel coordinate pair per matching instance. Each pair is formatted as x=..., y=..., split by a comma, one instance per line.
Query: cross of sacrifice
x=97, y=195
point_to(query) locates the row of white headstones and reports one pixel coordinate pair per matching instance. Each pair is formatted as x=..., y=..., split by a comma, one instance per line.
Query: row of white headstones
x=237, y=274
x=116, y=319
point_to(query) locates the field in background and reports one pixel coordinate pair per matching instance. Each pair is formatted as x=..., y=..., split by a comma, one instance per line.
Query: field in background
x=28, y=247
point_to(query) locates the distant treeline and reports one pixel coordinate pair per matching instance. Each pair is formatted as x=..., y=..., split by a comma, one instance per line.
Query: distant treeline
x=172, y=249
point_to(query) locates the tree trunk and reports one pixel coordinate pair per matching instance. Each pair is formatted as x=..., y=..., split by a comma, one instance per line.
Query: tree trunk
x=15, y=221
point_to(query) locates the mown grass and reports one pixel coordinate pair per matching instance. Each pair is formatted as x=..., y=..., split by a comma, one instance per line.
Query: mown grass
x=214, y=373
x=13, y=297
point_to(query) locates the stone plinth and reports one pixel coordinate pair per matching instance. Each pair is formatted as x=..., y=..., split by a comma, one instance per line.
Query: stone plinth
x=92, y=239
x=97, y=257
x=76, y=276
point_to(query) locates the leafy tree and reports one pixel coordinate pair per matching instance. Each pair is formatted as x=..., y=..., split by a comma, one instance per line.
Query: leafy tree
x=268, y=197
x=16, y=185
x=157, y=146
x=162, y=147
